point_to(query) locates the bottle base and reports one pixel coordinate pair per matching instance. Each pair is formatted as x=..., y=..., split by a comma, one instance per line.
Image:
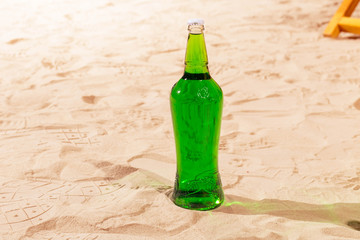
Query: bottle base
x=201, y=201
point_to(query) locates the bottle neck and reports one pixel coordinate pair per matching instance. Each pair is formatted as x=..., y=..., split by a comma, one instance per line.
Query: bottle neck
x=196, y=61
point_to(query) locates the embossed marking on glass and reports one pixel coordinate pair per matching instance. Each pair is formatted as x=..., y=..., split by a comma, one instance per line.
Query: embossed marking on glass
x=196, y=107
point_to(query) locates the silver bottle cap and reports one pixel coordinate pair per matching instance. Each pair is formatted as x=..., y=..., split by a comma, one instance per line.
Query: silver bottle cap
x=195, y=21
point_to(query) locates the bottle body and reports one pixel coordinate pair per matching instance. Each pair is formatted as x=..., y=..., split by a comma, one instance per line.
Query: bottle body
x=196, y=108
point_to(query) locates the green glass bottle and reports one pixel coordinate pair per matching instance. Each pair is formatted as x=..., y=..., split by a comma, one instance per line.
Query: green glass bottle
x=196, y=108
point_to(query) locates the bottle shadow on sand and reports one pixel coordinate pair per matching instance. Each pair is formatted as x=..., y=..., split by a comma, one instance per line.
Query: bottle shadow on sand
x=343, y=214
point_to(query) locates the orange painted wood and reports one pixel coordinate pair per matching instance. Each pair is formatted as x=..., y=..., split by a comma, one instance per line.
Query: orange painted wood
x=346, y=8
x=350, y=25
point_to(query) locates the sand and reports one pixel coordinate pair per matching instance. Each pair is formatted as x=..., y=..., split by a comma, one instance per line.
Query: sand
x=86, y=140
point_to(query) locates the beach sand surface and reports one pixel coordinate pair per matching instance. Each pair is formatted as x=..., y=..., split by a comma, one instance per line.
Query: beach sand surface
x=86, y=142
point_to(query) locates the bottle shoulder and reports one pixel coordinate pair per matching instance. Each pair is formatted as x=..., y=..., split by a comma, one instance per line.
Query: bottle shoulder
x=196, y=90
